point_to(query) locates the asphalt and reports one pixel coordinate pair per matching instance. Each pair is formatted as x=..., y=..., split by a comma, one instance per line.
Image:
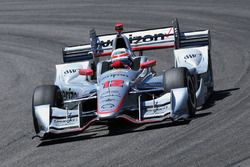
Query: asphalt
x=32, y=34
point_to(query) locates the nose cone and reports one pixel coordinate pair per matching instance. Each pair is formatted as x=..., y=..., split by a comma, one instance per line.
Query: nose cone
x=111, y=96
x=113, y=87
x=110, y=101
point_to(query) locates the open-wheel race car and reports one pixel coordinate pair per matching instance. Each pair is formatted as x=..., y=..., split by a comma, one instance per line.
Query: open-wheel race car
x=124, y=86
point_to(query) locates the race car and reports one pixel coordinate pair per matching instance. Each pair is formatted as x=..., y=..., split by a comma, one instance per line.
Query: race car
x=111, y=79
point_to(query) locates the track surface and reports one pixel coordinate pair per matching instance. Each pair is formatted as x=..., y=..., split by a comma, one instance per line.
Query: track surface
x=32, y=34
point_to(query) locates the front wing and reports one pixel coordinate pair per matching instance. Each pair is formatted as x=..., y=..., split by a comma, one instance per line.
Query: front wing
x=53, y=120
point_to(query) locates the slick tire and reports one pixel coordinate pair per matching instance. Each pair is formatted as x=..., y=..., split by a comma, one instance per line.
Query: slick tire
x=45, y=94
x=179, y=78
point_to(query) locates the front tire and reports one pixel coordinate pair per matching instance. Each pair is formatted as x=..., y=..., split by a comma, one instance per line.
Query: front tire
x=45, y=94
x=179, y=78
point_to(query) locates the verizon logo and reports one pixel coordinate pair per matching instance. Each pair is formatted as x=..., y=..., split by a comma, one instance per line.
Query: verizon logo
x=139, y=39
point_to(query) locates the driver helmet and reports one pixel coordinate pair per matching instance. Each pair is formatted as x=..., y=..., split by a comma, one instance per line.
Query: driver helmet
x=121, y=55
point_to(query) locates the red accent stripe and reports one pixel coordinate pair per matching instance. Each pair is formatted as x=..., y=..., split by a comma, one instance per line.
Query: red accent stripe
x=103, y=54
x=120, y=55
x=118, y=83
x=147, y=64
x=136, y=121
x=106, y=84
x=138, y=48
x=167, y=35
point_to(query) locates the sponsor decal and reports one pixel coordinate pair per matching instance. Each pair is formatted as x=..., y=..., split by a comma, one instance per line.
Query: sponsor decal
x=120, y=70
x=113, y=83
x=70, y=71
x=190, y=56
x=109, y=94
x=114, y=76
x=155, y=111
x=63, y=122
x=69, y=94
x=139, y=39
x=146, y=38
x=108, y=100
x=108, y=106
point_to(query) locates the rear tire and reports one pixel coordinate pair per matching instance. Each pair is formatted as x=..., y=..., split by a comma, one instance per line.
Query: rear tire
x=45, y=94
x=179, y=78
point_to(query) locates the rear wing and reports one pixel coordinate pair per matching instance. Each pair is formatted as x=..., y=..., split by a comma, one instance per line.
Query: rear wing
x=190, y=39
x=158, y=38
x=101, y=45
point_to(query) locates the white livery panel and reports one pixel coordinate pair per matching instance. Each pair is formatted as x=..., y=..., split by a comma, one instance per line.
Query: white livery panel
x=192, y=58
x=71, y=83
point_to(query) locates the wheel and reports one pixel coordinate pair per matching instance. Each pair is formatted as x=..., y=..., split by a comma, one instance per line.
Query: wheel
x=45, y=94
x=179, y=78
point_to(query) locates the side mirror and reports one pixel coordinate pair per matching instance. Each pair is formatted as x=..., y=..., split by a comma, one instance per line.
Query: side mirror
x=147, y=64
x=87, y=72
